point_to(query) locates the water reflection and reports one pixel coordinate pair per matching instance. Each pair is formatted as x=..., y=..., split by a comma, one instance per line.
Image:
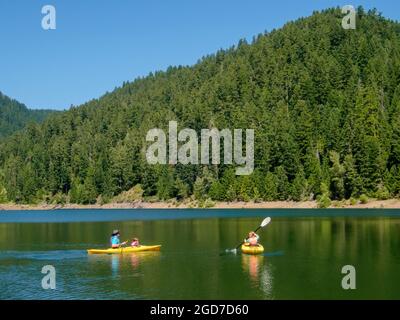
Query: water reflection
x=259, y=272
x=266, y=281
x=252, y=264
x=128, y=262
x=135, y=261
x=115, y=265
x=304, y=259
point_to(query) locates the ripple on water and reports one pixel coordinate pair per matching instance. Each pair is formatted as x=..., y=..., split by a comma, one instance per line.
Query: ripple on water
x=43, y=255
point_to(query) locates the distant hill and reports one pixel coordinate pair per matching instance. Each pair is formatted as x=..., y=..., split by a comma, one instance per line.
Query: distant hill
x=14, y=115
x=324, y=103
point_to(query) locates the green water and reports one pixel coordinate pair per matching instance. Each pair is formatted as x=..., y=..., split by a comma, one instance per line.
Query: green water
x=303, y=256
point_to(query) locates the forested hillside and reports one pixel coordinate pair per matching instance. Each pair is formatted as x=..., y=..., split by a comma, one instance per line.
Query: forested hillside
x=324, y=103
x=14, y=115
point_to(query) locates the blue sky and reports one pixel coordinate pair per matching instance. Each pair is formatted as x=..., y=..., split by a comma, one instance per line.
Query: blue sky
x=98, y=44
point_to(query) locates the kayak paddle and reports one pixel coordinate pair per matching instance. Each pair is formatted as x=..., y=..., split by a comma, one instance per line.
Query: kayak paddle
x=122, y=246
x=262, y=225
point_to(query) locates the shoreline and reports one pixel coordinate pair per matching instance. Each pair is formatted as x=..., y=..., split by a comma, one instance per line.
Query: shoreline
x=372, y=204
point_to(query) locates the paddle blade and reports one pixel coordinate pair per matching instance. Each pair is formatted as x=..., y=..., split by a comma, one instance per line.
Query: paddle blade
x=265, y=222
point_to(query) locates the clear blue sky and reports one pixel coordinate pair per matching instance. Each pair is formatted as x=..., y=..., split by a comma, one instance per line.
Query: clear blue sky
x=98, y=44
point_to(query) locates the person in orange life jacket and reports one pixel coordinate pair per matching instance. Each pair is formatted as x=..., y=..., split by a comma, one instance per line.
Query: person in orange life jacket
x=135, y=242
x=252, y=239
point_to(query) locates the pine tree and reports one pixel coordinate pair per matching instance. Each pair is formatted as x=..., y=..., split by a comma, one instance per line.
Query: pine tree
x=351, y=179
x=182, y=189
x=89, y=192
x=313, y=171
x=298, y=190
x=217, y=191
x=337, y=176
x=165, y=184
x=283, y=183
x=270, y=187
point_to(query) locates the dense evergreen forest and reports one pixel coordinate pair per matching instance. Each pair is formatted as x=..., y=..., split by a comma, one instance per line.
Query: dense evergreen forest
x=324, y=103
x=14, y=115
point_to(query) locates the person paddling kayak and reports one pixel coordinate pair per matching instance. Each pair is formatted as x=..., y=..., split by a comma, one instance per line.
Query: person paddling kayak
x=252, y=239
x=115, y=242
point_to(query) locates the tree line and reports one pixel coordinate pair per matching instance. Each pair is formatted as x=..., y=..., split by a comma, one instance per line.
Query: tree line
x=324, y=103
x=14, y=115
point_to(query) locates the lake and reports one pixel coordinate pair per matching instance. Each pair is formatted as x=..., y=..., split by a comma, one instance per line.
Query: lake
x=305, y=251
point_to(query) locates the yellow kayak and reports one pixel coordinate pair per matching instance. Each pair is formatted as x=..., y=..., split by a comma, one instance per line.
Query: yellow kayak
x=124, y=250
x=252, y=249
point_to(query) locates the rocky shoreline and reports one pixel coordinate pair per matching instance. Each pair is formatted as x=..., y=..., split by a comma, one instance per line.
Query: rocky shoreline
x=371, y=204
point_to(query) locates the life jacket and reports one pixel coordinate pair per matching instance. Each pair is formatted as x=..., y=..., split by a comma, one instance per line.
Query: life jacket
x=114, y=241
x=135, y=243
x=253, y=241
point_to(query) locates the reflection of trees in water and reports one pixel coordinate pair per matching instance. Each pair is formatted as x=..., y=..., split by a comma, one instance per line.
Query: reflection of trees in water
x=327, y=237
x=191, y=267
x=218, y=230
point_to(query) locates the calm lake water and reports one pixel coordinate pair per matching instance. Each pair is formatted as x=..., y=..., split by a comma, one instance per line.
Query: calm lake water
x=305, y=251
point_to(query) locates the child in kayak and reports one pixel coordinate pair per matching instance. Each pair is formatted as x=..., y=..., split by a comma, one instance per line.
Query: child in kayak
x=252, y=239
x=135, y=242
x=115, y=242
